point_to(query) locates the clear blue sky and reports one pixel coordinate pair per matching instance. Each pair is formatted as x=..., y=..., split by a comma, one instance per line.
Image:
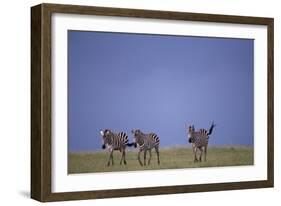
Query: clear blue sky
x=158, y=84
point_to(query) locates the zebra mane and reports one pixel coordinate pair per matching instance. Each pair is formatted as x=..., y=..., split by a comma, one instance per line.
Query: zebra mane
x=141, y=133
x=108, y=134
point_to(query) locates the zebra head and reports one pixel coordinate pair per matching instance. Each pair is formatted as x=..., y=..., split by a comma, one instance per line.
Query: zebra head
x=190, y=132
x=105, y=134
x=137, y=135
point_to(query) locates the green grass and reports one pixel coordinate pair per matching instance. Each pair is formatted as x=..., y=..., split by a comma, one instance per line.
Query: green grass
x=171, y=158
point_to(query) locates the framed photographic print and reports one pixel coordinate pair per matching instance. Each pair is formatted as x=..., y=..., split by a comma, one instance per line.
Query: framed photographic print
x=128, y=102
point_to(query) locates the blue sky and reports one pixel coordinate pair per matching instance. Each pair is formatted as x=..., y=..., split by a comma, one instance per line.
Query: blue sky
x=160, y=84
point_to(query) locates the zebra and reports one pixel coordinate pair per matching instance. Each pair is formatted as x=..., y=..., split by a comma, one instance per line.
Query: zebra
x=199, y=140
x=146, y=142
x=115, y=141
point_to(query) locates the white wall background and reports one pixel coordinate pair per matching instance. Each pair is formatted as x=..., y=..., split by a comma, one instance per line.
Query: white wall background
x=15, y=101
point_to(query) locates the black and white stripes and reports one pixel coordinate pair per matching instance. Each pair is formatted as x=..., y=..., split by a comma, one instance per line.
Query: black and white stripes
x=199, y=140
x=146, y=142
x=115, y=141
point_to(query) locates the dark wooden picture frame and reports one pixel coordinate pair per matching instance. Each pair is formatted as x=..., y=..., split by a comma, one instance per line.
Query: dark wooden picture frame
x=41, y=117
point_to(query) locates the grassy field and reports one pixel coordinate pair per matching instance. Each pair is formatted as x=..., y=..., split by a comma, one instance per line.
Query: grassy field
x=171, y=158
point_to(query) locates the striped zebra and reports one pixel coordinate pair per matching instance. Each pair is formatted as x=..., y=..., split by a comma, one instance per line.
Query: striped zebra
x=146, y=142
x=115, y=141
x=199, y=140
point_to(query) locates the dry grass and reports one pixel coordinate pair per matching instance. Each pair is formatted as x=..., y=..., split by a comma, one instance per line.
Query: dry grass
x=171, y=158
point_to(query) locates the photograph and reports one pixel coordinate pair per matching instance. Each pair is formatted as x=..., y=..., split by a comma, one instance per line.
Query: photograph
x=132, y=102
x=154, y=101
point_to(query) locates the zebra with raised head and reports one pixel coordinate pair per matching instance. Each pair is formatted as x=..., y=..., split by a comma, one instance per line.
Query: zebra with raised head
x=199, y=140
x=146, y=142
x=115, y=141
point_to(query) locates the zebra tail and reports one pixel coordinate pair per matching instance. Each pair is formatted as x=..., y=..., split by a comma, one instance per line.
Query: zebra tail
x=211, y=129
x=130, y=144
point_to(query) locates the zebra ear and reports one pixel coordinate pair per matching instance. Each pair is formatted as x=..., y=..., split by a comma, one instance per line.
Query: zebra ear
x=133, y=131
x=102, y=133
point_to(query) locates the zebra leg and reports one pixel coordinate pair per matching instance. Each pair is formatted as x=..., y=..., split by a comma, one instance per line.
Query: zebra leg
x=157, y=152
x=144, y=157
x=205, y=151
x=149, y=157
x=195, y=157
x=124, y=157
x=139, y=158
x=201, y=152
x=110, y=157
x=108, y=162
